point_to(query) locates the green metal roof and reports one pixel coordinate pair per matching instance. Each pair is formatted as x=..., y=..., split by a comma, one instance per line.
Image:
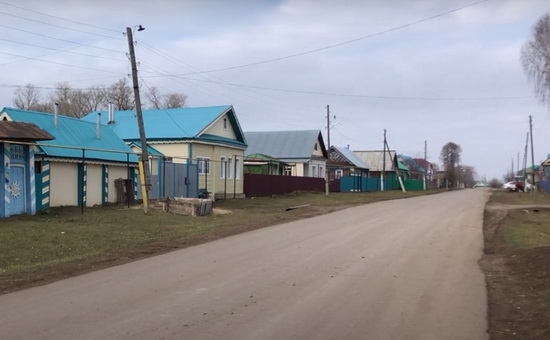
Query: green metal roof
x=173, y=124
x=73, y=135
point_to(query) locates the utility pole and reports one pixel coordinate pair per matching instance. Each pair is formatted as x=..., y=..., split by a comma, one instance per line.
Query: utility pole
x=532, y=152
x=383, y=164
x=328, y=153
x=524, y=175
x=144, y=159
x=425, y=162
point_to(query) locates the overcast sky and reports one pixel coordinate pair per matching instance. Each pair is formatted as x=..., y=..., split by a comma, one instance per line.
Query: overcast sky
x=424, y=70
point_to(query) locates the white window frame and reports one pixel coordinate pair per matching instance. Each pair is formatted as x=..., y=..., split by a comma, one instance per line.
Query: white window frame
x=223, y=166
x=237, y=168
x=203, y=162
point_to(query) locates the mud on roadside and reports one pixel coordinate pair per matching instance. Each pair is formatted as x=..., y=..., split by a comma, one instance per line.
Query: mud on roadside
x=518, y=283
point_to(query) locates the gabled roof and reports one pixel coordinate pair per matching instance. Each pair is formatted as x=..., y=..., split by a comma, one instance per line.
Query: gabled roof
x=375, y=159
x=72, y=135
x=173, y=124
x=425, y=164
x=340, y=154
x=412, y=164
x=285, y=145
x=17, y=131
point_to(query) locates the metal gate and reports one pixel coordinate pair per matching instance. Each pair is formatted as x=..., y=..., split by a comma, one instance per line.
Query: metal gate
x=17, y=189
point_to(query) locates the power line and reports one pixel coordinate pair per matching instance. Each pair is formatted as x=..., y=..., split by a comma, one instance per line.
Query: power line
x=354, y=95
x=60, y=50
x=54, y=25
x=59, y=18
x=57, y=63
x=344, y=42
x=59, y=39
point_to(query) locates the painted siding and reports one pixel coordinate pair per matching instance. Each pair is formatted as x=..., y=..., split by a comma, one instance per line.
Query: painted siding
x=94, y=185
x=319, y=151
x=300, y=169
x=174, y=150
x=115, y=172
x=63, y=184
x=215, y=181
x=218, y=128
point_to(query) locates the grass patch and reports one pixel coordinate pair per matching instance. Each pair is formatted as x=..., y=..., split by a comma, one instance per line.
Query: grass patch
x=507, y=197
x=525, y=229
x=65, y=242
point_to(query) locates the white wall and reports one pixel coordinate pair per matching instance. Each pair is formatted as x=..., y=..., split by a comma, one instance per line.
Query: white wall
x=63, y=184
x=94, y=186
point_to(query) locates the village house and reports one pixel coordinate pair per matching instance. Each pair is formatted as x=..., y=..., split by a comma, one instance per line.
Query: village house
x=199, y=149
x=80, y=166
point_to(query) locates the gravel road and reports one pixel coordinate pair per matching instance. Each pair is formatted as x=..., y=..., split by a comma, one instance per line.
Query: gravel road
x=403, y=269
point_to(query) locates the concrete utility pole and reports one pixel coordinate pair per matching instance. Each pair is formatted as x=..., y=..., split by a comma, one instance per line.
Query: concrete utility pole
x=144, y=159
x=383, y=164
x=532, y=153
x=425, y=162
x=327, y=180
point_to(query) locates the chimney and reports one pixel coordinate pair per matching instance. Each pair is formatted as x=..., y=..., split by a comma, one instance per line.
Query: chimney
x=98, y=127
x=111, y=114
x=56, y=115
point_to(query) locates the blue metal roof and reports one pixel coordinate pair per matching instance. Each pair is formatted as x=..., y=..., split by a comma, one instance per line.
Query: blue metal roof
x=172, y=124
x=72, y=135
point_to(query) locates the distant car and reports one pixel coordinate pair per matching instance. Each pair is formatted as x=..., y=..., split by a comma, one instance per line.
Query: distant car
x=481, y=185
x=511, y=186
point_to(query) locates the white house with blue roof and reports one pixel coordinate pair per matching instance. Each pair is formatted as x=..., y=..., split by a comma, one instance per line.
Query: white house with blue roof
x=205, y=145
x=80, y=165
x=304, y=150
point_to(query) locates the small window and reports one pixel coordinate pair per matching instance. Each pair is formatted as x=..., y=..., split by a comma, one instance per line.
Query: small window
x=204, y=165
x=316, y=147
x=223, y=167
x=225, y=123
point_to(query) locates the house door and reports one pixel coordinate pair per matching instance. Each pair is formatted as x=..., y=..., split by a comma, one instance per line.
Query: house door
x=17, y=190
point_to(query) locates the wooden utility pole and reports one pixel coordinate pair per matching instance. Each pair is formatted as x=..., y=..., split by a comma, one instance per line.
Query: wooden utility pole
x=144, y=159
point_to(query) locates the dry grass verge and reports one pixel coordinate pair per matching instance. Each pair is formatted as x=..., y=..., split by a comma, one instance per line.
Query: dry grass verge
x=517, y=265
x=63, y=242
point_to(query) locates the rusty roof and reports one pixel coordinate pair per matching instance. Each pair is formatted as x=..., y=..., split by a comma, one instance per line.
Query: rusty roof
x=18, y=131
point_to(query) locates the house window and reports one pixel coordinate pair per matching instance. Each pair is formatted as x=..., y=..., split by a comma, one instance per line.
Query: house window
x=339, y=173
x=229, y=166
x=315, y=146
x=204, y=165
x=288, y=171
x=223, y=167
x=17, y=152
x=225, y=123
x=313, y=171
x=237, y=168
x=321, y=171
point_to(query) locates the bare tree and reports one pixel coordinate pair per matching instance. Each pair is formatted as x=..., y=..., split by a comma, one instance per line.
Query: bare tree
x=96, y=99
x=121, y=95
x=154, y=97
x=535, y=57
x=174, y=100
x=450, y=157
x=27, y=97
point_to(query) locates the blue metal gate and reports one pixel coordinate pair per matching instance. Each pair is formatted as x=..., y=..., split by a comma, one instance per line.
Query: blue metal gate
x=17, y=190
